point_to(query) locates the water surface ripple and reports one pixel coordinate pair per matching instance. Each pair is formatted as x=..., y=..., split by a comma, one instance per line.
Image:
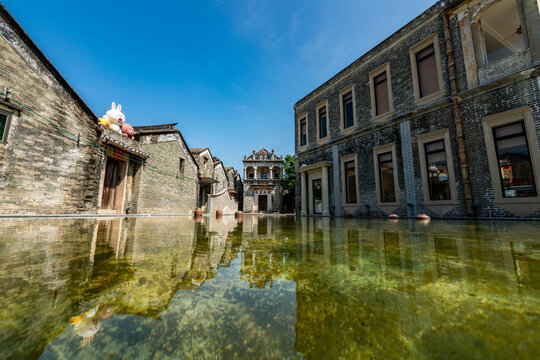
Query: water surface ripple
x=268, y=288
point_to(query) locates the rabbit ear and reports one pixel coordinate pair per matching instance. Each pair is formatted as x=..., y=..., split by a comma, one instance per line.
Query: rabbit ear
x=119, y=108
x=113, y=106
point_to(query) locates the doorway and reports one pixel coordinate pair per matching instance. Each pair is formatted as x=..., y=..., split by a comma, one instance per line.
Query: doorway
x=263, y=203
x=317, y=196
x=112, y=196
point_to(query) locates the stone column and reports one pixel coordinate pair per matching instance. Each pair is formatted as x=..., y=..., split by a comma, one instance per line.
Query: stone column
x=303, y=193
x=255, y=174
x=245, y=173
x=325, y=197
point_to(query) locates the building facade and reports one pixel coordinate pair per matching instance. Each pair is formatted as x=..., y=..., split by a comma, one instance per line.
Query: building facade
x=169, y=183
x=262, y=182
x=442, y=118
x=55, y=158
x=60, y=161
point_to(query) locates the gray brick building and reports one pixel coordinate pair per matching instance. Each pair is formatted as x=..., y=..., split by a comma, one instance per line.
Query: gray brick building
x=60, y=161
x=442, y=118
x=169, y=183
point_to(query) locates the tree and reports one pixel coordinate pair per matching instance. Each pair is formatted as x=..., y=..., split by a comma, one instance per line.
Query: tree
x=288, y=180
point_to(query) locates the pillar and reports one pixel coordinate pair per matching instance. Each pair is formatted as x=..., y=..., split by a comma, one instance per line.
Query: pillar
x=255, y=173
x=303, y=193
x=325, y=197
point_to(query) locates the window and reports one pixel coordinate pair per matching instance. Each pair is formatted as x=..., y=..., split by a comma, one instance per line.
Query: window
x=264, y=175
x=350, y=182
x=181, y=166
x=303, y=131
x=501, y=31
x=381, y=93
x=4, y=127
x=347, y=109
x=386, y=176
x=426, y=70
x=348, y=119
x=514, y=161
x=437, y=168
x=251, y=175
x=322, y=120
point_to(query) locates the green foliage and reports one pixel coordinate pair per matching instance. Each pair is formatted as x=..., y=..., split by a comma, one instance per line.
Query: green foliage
x=289, y=174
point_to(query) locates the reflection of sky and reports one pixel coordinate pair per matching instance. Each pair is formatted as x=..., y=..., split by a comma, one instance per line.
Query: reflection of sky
x=338, y=287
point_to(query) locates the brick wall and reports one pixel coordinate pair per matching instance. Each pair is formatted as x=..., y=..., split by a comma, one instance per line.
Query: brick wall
x=162, y=193
x=42, y=170
x=410, y=120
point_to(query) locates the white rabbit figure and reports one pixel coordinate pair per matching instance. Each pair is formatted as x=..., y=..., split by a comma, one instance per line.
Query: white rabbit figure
x=116, y=117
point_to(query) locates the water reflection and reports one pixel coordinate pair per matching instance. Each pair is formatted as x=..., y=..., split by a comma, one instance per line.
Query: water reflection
x=268, y=287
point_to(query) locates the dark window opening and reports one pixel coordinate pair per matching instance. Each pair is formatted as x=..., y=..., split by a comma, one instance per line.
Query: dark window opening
x=181, y=166
x=382, y=103
x=303, y=132
x=428, y=82
x=386, y=177
x=348, y=116
x=350, y=182
x=323, y=131
x=514, y=161
x=437, y=170
x=3, y=127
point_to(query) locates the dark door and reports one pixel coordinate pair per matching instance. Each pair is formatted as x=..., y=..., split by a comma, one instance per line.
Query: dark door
x=317, y=196
x=112, y=169
x=262, y=203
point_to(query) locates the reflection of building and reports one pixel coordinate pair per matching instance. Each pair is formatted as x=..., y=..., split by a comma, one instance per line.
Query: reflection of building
x=262, y=182
x=440, y=118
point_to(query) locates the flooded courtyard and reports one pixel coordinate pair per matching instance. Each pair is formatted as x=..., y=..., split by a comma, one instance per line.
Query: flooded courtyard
x=268, y=288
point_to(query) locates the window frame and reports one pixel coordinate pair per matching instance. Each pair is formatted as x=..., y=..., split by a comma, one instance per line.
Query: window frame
x=317, y=108
x=415, y=49
x=372, y=75
x=379, y=150
x=505, y=118
x=423, y=139
x=299, y=124
x=345, y=159
x=342, y=92
x=5, y=135
x=482, y=55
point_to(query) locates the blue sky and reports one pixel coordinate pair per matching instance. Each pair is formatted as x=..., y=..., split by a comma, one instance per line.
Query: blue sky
x=227, y=71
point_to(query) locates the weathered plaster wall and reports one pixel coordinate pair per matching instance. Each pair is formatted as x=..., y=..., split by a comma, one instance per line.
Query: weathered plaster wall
x=222, y=201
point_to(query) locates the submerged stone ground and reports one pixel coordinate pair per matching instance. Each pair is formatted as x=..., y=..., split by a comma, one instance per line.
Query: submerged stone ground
x=268, y=288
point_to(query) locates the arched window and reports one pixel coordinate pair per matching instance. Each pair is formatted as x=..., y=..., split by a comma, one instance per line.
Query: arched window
x=501, y=31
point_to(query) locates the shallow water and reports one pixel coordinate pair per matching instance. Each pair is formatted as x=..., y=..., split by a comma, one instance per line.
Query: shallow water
x=268, y=288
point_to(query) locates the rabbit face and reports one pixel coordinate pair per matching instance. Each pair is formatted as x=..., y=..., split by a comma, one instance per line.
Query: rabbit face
x=115, y=115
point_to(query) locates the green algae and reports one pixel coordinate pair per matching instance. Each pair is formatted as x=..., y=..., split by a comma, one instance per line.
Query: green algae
x=269, y=288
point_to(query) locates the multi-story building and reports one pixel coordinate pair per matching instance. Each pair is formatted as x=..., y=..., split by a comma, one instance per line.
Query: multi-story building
x=442, y=117
x=262, y=184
